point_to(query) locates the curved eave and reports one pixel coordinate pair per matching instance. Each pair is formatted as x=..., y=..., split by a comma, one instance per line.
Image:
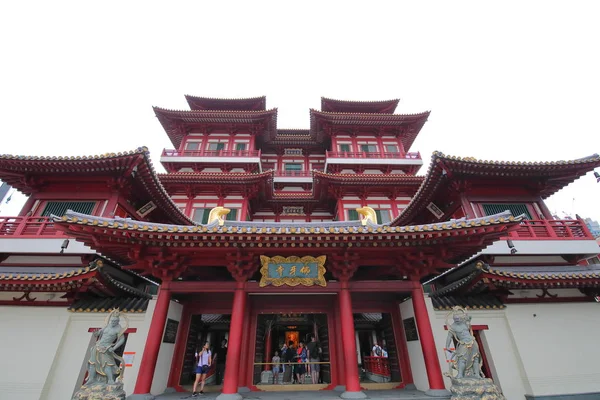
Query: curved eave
x=381, y=106
x=116, y=236
x=374, y=179
x=554, y=174
x=174, y=122
x=210, y=178
x=51, y=282
x=20, y=171
x=241, y=104
x=406, y=126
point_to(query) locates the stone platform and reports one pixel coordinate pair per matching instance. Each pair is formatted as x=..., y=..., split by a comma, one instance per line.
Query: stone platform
x=400, y=394
x=475, y=389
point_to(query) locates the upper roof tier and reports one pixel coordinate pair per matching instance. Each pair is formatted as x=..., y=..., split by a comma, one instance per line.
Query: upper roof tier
x=206, y=103
x=250, y=115
x=405, y=126
x=178, y=122
x=361, y=107
x=544, y=178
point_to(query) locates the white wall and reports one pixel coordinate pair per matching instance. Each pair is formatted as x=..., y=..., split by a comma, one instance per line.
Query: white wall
x=44, y=350
x=554, y=352
x=73, y=353
x=29, y=337
x=165, y=354
x=558, y=345
x=415, y=353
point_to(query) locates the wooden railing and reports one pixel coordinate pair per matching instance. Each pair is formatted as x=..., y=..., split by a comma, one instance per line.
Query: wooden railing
x=28, y=226
x=381, y=155
x=297, y=174
x=211, y=153
x=377, y=365
x=541, y=229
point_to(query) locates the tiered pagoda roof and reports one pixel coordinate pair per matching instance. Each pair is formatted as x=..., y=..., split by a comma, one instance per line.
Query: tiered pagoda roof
x=246, y=104
x=405, y=126
x=346, y=106
x=178, y=122
x=544, y=178
x=28, y=173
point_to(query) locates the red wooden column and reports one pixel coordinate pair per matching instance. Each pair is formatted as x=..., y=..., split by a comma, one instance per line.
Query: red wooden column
x=268, y=349
x=157, y=326
x=349, y=345
x=432, y=363
x=234, y=346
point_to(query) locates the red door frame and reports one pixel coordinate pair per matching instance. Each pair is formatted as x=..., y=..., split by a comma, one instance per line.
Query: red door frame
x=190, y=309
x=314, y=304
x=392, y=308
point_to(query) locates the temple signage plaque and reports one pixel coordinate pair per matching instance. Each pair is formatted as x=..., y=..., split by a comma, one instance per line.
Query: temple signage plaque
x=293, y=271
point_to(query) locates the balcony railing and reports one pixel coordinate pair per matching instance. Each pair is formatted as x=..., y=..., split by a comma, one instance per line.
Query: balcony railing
x=295, y=174
x=381, y=155
x=28, y=226
x=541, y=229
x=211, y=153
x=377, y=365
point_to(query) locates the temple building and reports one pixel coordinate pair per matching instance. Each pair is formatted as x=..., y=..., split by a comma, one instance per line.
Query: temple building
x=263, y=236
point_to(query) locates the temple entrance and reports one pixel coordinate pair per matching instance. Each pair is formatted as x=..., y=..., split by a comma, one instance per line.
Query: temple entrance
x=212, y=328
x=378, y=356
x=273, y=333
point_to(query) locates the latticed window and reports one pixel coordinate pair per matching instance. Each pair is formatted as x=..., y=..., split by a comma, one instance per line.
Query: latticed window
x=59, y=208
x=232, y=216
x=240, y=146
x=353, y=215
x=515, y=209
x=293, y=167
x=368, y=148
x=345, y=147
x=201, y=215
x=383, y=216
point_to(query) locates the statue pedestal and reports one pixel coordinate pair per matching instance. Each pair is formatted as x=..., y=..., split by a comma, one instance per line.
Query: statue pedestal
x=101, y=391
x=475, y=389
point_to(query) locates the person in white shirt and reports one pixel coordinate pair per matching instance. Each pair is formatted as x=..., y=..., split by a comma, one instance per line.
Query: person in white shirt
x=204, y=363
x=376, y=351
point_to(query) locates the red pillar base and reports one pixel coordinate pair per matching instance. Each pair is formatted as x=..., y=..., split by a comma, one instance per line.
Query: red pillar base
x=432, y=363
x=234, y=349
x=349, y=342
x=150, y=355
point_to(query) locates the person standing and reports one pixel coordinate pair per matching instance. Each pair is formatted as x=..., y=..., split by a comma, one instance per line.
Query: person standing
x=300, y=367
x=376, y=351
x=290, y=355
x=204, y=362
x=314, y=350
x=221, y=360
x=276, y=366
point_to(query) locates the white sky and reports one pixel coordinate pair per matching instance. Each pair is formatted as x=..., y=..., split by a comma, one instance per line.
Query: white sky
x=504, y=80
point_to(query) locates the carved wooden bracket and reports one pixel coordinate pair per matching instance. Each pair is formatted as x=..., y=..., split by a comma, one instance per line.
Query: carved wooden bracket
x=241, y=266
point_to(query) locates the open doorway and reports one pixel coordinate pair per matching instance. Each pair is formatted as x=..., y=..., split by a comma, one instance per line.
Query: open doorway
x=211, y=328
x=273, y=333
x=378, y=357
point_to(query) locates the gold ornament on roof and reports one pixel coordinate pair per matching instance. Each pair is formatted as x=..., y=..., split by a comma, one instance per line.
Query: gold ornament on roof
x=368, y=214
x=218, y=213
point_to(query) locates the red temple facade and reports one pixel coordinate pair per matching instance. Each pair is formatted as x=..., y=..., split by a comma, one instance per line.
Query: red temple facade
x=261, y=236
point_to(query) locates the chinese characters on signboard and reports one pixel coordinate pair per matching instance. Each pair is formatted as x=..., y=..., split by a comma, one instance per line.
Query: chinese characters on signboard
x=293, y=271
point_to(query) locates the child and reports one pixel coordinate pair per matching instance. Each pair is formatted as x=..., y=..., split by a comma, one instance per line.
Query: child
x=276, y=364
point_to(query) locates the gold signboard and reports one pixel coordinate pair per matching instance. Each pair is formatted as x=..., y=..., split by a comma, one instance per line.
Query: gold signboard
x=293, y=271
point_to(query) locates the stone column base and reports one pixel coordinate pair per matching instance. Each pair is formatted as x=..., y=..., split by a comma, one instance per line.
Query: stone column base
x=353, y=395
x=233, y=396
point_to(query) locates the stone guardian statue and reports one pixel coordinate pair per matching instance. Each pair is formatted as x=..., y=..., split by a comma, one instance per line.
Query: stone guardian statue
x=105, y=368
x=468, y=380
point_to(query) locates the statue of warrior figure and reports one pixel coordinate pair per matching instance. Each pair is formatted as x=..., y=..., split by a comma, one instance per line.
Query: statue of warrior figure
x=104, y=364
x=466, y=355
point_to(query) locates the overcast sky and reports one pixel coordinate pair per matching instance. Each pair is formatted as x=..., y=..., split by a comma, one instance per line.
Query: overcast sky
x=503, y=80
